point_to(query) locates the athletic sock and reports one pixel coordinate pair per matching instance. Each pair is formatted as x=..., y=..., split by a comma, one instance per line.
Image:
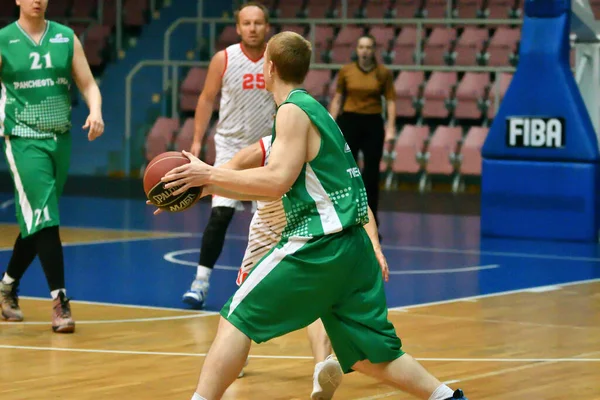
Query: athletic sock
x=55, y=293
x=443, y=392
x=196, y=396
x=7, y=279
x=203, y=272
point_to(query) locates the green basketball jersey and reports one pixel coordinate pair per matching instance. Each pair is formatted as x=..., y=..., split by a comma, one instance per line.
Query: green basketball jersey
x=35, y=82
x=329, y=194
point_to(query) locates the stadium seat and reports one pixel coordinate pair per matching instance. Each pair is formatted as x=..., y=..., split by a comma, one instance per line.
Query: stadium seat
x=408, y=86
x=161, y=136
x=377, y=8
x=468, y=8
x=289, y=8
x=227, y=37
x=499, y=9
x=437, y=45
x=84, y=8
x=384, y=36
x=500, y=86
x=438, y=91
x=134, y=13
x=185, y=137
x=409, y=145
x=407, y=9
x=441, y=150
x=436, y=8
x=502, y=44
x=317, y=8
x=56, y=8
x=469, y=45
x=317, y=82
x=404, y=49
x=470, y=154
x=344, y=45
x=471, y=94
x=299, y=29
x=191, y=88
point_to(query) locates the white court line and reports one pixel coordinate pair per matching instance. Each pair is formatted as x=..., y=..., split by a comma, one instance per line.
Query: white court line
x=538, y=362
x=5, y=204
x=483, y=296
x=171, y=257
x=117, y=321
x=175, y=354
x=119, y=240
x=490, y=253
x=443, y=270
x=100, y=303
x=498, y=321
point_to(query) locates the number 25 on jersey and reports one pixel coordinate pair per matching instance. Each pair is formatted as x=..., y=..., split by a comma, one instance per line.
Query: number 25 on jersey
x=36, y=60
x=253, y=81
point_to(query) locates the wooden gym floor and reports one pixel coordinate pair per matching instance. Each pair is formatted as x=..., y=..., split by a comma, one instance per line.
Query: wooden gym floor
x=497, y=318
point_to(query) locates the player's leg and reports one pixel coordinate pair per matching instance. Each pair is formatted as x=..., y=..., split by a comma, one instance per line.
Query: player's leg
x=363, y=337
x=213, y=238
x=371, y=144
x=24, y=250
x=327, y=376
x=49, y=244
x=286, y=291
x=350, y=126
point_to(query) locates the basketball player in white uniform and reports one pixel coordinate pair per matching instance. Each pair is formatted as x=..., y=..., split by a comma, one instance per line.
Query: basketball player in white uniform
x=246, y=114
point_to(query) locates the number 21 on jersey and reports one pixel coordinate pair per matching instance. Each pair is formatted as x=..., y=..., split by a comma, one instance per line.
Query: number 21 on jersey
x=37, y=63
x=253, y=81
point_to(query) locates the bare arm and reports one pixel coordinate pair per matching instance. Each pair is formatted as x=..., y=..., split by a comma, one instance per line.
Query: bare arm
x=82, y=75
x=335, y=105
x=390, y=131
x=206, y=101
x=373, y=233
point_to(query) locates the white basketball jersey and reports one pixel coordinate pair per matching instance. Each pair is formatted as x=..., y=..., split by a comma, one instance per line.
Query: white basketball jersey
x=247, y=109
x=266, y=226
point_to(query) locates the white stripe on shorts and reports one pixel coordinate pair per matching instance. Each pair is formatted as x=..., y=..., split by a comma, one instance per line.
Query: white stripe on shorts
x=264, y=268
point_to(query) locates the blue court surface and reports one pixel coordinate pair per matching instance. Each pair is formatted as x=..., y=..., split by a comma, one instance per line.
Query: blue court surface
x=431, y=257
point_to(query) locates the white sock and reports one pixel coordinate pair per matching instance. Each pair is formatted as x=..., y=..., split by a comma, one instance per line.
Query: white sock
x=196, y=396
x=443, y=392
x=55, y=293
x=203, y=272
x=7, y=279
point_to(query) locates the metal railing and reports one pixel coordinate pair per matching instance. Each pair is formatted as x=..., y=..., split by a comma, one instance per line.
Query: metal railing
x=174, y=89
x=419, y=22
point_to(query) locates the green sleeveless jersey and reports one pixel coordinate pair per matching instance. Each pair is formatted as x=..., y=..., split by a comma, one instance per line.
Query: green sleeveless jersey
x=35, y=82
x=329, y=195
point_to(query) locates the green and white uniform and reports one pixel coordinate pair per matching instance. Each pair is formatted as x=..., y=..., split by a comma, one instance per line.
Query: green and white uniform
x=324, y=266
x=35, y=119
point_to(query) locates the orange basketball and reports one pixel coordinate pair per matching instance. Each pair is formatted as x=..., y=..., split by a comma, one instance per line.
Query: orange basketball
x=155, y=189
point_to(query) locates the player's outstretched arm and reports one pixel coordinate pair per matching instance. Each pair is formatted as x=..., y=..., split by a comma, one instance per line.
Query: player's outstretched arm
x=373, y=232
x=88, y=87
x=206, y=101
x=286, y=159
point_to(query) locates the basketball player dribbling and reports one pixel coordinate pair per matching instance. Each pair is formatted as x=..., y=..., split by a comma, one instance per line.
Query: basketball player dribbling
x=324, y=267
x=245, y=115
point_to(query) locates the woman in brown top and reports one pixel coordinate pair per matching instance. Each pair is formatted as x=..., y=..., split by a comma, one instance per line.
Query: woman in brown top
x=361, y=88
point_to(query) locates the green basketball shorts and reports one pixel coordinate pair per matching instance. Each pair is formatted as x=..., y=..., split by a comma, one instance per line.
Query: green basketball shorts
x=336, y=278
x=39, y=170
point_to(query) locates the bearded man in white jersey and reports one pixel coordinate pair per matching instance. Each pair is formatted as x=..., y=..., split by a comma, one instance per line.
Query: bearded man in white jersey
x=245, y=115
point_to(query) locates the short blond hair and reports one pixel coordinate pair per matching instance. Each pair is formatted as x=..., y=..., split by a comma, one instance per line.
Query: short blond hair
x=291, y=55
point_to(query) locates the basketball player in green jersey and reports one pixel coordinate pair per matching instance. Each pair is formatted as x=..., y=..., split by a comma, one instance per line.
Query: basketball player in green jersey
x=324, y=266
x=39, y=60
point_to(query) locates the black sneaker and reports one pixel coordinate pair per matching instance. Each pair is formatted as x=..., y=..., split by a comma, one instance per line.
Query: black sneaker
x=458, y=394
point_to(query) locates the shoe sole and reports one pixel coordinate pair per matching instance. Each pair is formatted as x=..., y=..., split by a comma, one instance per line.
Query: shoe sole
x=330, y=378
x=190, y=301
x=11, y=319
x=64, y=329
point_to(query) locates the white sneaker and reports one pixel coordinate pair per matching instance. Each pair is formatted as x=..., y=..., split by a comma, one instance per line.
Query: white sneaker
x=196, y=296
x=326, y=379
x=242, y=371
